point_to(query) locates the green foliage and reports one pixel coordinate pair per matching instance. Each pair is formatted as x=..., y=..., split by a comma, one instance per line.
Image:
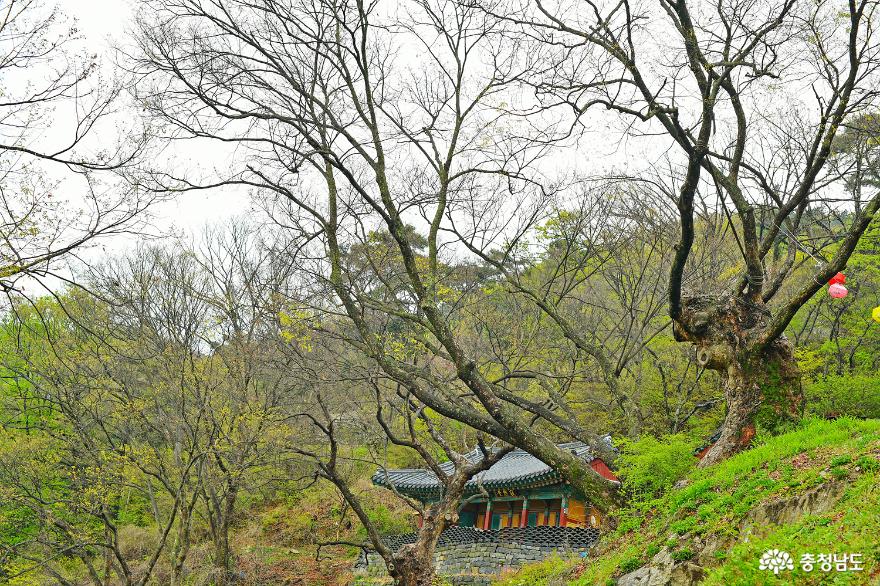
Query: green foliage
x=837, y=352
x=685, y=525
x=683, y=554
x=855, y=395
x=650, y=466
x=851, y=527
x=388, y=521
x=717, y=500
x=841, y=460
x=868, y=464
x=549, y=571
x=307, y=515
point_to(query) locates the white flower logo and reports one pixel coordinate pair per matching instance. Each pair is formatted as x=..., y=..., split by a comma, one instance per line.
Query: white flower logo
x=775, y=560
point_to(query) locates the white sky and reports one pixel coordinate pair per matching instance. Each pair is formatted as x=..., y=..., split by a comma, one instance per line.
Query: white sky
x=103, y=22
x=98, y=19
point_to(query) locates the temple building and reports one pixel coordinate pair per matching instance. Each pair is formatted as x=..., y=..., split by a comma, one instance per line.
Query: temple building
x=522, y=491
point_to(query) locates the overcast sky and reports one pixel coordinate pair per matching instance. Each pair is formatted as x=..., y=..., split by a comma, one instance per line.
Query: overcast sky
x=98, y=18
x=103, y=22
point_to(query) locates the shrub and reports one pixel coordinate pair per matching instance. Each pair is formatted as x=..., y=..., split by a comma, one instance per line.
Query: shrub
x=388, y=521
x=629, y=523
x=648, y=467
x=683, y=554
x=136, y=543
x=853, y=395
x=841, y=460
x=629, y=565
x=553, y=570
x=683, y=526
x=868, y=464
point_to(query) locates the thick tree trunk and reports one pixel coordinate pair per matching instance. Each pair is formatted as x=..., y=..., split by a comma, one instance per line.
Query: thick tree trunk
x=764, y=390
x=414, y=565
x=762, y=385
x=414, y=562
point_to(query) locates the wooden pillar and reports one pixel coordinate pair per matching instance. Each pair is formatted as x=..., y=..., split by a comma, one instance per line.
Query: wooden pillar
x=523, y=519
x=487, y=522
x=563, y=511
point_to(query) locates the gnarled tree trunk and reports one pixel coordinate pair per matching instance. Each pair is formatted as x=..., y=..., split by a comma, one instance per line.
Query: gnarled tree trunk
x=414, y=562
x=762, y=383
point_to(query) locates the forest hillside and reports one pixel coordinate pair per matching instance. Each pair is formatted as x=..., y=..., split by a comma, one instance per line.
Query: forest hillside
x=601, y=275
x=811, y=492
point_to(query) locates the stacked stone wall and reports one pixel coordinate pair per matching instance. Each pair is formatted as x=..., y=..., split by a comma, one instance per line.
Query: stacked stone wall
x=476, y=557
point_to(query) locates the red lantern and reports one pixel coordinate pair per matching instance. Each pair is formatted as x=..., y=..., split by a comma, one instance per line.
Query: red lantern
x=839, y=279
x=837, y=291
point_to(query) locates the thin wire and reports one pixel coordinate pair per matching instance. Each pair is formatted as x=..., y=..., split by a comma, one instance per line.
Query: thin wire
x=798, y=244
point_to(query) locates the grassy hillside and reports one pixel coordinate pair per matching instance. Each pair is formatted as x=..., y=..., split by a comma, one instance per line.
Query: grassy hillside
x=278, y=543
x=811, y=491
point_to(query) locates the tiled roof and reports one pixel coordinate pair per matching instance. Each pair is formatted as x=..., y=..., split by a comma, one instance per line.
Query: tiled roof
x=518, y=469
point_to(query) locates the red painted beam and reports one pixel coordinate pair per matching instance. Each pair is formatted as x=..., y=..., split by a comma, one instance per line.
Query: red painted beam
x=603, y=469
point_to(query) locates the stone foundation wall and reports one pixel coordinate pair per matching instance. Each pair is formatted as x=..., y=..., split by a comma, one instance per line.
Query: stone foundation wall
x=473, y=563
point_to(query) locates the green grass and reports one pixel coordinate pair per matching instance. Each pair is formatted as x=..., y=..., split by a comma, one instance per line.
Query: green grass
x=851, y=528
x=716, y=500
x=553, y=569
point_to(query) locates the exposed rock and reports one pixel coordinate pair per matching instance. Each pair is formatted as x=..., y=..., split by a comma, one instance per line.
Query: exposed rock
x=686, y=574
x=712, y=543
x=813, y=502
x=664, y=571
x=645, y=576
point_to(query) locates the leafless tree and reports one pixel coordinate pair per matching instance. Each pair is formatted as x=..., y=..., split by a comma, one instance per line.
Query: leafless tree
x=213, y=312
x=54, y=103
x=748, y=98
x=343, y=420
x=358, y=145
x=163, y=380
x=87, y=453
